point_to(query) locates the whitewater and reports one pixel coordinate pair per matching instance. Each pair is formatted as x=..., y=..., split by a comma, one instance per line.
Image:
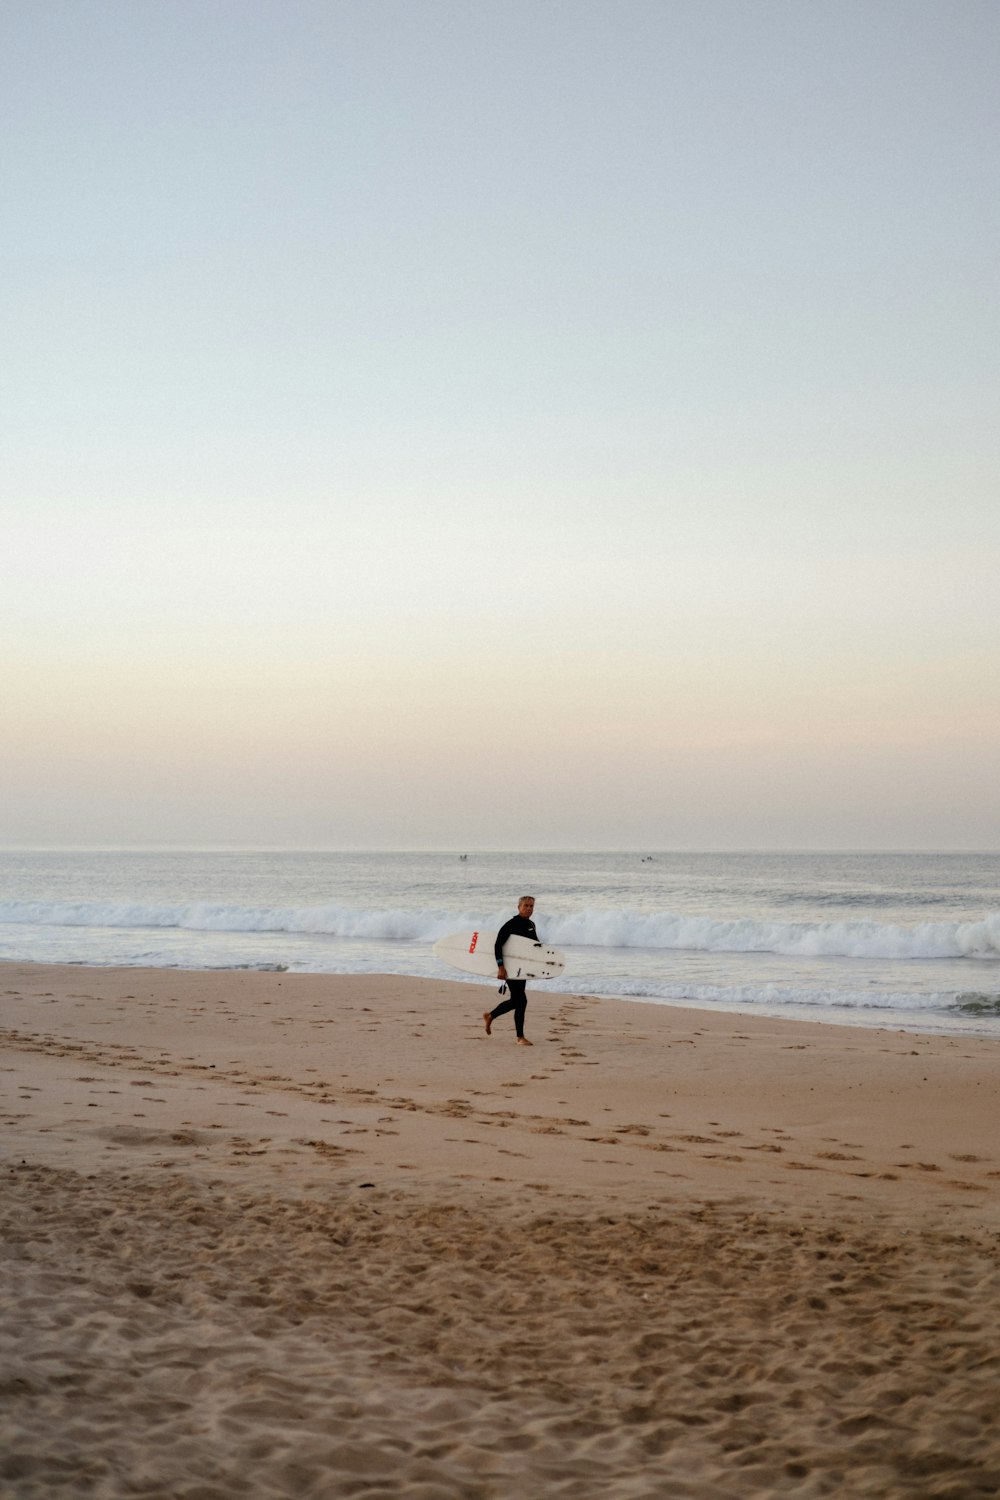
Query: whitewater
x=911, y=940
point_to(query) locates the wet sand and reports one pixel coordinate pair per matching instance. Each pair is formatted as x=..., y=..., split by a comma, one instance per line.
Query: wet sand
x=315, y=1236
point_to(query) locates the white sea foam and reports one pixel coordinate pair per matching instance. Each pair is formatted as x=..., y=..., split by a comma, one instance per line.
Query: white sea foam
x=749, y=996
x=978, y=939
x=386, y=924
x=591, y=927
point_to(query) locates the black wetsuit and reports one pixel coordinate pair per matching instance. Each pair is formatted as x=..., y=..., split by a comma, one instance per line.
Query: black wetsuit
x=517, y=927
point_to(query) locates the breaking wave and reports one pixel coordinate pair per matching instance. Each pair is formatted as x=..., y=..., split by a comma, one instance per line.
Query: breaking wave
x=979, y=939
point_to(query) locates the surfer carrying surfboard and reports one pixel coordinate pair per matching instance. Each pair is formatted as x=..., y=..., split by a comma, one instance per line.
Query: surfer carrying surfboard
x=519, y=926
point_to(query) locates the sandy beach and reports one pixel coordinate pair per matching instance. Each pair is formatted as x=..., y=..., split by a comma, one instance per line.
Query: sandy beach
x=297, y=1235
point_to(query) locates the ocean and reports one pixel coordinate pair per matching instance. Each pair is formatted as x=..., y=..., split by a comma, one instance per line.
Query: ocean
x=900, y=940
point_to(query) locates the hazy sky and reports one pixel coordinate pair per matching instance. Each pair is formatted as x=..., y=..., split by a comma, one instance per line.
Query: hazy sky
x=455, y=423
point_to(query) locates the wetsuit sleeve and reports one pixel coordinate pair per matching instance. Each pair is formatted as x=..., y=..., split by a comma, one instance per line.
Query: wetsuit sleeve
x=502, y=937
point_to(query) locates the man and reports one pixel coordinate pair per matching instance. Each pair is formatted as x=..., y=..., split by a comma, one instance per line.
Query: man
x=519, y=926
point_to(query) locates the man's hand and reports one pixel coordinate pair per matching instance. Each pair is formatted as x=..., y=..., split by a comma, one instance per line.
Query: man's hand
x=501, y=972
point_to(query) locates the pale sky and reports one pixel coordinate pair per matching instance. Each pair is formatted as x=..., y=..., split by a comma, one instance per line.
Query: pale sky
x=478, y=423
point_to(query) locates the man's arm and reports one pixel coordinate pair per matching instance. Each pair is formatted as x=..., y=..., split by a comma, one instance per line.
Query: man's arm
x=502, y=937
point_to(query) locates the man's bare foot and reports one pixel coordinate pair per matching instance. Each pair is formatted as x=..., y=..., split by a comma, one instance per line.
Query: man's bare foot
x=522, y=1041
x=488, y=1018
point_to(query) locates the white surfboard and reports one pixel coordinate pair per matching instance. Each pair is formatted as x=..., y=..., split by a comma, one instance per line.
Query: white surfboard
x=522, y=958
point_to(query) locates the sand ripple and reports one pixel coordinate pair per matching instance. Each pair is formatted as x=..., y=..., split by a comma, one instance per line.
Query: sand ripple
x=177, y=1338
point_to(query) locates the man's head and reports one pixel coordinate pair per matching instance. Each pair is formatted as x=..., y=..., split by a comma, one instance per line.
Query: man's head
x=526, y=906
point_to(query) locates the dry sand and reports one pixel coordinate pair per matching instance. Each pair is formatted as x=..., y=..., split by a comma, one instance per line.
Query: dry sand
x=309, y=1236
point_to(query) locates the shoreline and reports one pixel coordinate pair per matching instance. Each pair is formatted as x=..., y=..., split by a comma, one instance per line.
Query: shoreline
x=916, y=1022
x=285, y=1234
